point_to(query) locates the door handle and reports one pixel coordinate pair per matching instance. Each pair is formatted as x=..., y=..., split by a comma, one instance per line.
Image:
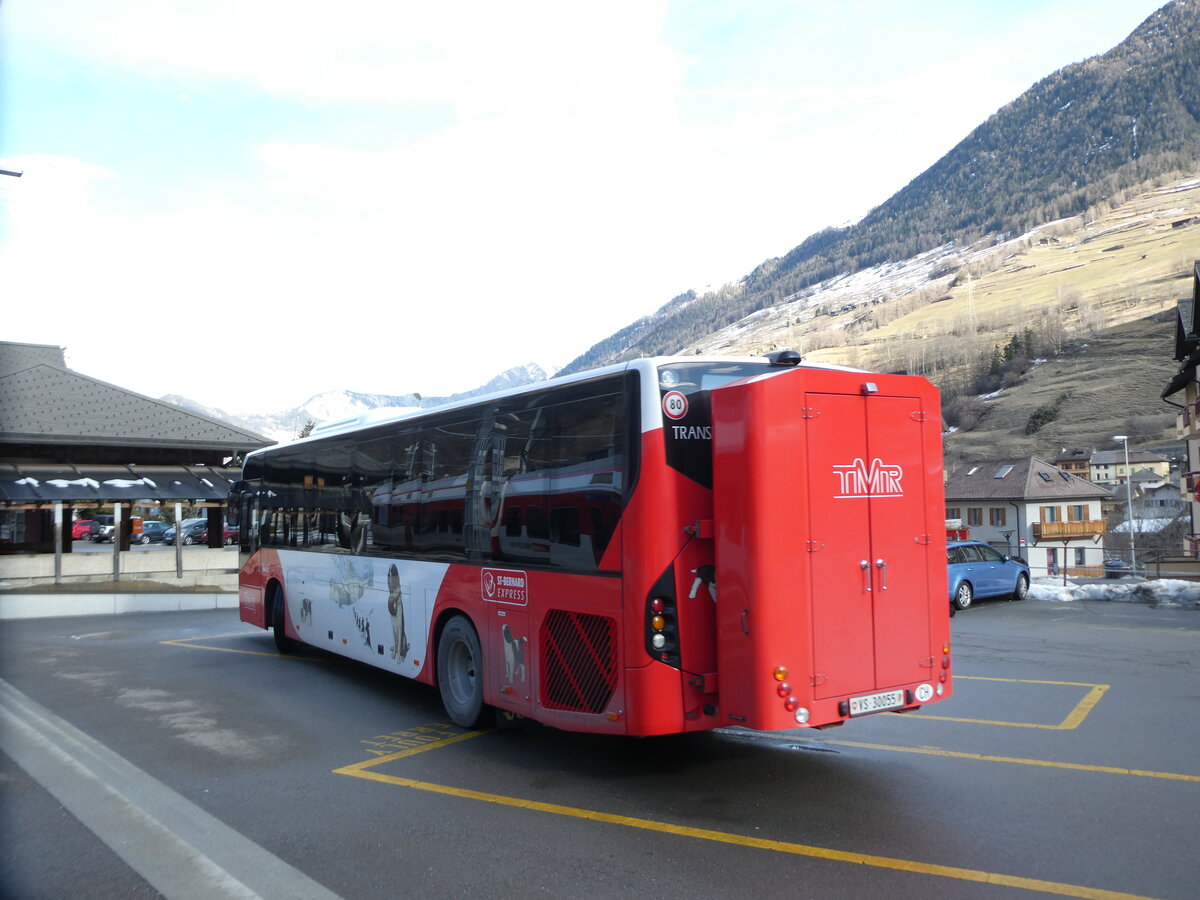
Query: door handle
x=866, y=569
x=881, y=564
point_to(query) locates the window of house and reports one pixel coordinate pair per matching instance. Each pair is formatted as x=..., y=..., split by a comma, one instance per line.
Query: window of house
x=952, y=512
x=1077, y=513
x=997, y=516
x=974, y=515
x=1051, y=514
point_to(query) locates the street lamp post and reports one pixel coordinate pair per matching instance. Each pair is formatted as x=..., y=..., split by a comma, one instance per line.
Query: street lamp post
x=1124, y=439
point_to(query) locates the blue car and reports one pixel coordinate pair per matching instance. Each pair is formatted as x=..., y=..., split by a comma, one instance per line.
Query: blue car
x=978, y=570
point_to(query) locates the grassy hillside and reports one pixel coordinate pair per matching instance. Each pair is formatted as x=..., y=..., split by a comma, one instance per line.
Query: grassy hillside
x=1096, y=296
x=1073, y=142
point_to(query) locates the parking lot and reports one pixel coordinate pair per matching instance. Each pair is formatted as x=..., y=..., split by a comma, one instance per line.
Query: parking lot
x=178, y=754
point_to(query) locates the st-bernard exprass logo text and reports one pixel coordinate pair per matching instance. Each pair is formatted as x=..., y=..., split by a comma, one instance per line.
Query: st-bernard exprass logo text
x=880, y=480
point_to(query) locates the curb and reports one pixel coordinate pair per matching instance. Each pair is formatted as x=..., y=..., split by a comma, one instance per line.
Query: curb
x=46, y=605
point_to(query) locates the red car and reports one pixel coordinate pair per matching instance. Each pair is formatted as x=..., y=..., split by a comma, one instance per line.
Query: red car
x=80, y=528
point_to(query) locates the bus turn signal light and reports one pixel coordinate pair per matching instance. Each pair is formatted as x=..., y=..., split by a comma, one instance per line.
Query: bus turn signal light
x=781, y=673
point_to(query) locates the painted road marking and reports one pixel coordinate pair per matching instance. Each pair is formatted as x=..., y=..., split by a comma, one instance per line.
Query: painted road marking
x=366, y=770
x=192, y=644
x=1016, y=760
x=1073, y=720
x=181, y=850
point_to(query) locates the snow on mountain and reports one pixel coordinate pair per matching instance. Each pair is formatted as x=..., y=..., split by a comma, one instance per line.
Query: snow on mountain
x=331, y=406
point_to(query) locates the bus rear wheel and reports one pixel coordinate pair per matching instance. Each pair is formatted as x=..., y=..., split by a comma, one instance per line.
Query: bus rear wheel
x=460, y=673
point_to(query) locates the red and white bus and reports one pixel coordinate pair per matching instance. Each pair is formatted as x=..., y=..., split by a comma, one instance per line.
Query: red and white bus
x=555, y=551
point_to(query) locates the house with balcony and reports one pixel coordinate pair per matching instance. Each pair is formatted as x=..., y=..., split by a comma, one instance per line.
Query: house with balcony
x=1076, y=460
x=1183, y=392
x=1031, y=508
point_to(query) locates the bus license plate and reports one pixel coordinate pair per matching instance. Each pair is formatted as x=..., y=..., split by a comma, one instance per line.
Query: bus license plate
x=860, y=706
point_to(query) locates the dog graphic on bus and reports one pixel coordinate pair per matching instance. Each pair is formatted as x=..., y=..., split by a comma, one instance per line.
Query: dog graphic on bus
x=514, y=655
x=396, y=608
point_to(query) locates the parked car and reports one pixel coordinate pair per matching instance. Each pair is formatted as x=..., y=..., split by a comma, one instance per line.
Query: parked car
x=80, y=528
x=152, y=532
x=101, y=529
x=192, y=531
x=978, y=570
x=231, y=534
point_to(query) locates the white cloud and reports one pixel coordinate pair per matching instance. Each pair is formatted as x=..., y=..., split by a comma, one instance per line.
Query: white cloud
x=412, y=196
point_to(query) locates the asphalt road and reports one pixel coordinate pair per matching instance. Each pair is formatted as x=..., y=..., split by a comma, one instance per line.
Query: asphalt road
x=177, y=754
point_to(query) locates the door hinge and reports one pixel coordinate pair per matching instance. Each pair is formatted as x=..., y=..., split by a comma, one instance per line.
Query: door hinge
x=918, y=416
x=818, y=678
x=813, y=546
x=808, y=412
x=925, y=539
x=926, y=663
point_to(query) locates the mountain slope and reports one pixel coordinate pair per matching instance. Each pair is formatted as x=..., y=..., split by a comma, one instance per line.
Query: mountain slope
x=1075, y=138
x=339, y=404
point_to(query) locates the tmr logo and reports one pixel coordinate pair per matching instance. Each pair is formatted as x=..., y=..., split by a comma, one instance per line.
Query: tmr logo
x=856, y=480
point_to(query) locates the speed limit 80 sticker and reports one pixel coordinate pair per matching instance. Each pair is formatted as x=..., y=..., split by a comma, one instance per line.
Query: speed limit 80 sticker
x=674, y=404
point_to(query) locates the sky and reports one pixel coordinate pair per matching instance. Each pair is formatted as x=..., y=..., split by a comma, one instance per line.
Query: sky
x=249, y=202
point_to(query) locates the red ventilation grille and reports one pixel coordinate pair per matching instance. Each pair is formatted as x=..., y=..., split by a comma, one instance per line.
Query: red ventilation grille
x=579, y=661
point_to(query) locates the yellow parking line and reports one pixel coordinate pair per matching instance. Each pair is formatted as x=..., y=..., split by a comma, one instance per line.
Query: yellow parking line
x=191, y=643
x=1016, y=760
x=1072, y=721
x=364, y=770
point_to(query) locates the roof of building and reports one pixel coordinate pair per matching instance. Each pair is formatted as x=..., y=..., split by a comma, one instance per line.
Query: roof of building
x=1028, y=478
x=1074, y=454
x=1117, y=457
x=1187, y=338
x=52, y=414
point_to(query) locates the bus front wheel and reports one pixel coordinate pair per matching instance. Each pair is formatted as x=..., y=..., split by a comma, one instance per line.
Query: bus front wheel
x=460, y=673
x=283, y=643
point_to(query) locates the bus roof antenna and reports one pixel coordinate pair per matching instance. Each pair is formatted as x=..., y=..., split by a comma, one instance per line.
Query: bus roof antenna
x=784, y=358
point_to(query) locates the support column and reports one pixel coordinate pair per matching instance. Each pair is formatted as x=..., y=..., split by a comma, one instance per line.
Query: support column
x=58, y=542
x=178, y=540
x=116, y=541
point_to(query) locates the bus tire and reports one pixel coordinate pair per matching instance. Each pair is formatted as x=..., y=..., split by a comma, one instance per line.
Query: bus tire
x=283, y=643
x=460, y=673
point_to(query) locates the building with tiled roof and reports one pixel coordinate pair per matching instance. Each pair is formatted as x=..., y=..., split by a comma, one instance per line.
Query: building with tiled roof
x=1113, y=467
x=1183, y=392
x=1031, y=508
x=71, y=441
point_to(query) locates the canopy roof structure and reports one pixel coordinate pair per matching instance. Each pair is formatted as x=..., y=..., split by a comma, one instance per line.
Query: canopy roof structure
x=67, y=437
x=31, y=484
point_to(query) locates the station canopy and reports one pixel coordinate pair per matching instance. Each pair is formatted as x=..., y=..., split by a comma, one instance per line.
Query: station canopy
x=82, y=485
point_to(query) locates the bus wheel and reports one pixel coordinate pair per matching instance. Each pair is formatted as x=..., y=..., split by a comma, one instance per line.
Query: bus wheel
x=283, y=643
x=460, y=673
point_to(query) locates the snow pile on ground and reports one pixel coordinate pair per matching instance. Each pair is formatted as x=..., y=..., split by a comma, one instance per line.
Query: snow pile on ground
x=1161, y=592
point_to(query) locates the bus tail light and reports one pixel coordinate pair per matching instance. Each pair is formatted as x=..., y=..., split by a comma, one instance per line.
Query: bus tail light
x=662, y=633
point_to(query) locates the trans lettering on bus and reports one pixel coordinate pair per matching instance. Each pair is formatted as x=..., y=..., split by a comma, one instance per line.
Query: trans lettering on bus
x=554, y=551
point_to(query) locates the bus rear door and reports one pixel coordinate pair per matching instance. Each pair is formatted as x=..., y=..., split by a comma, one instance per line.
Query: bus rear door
x=825, y=483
